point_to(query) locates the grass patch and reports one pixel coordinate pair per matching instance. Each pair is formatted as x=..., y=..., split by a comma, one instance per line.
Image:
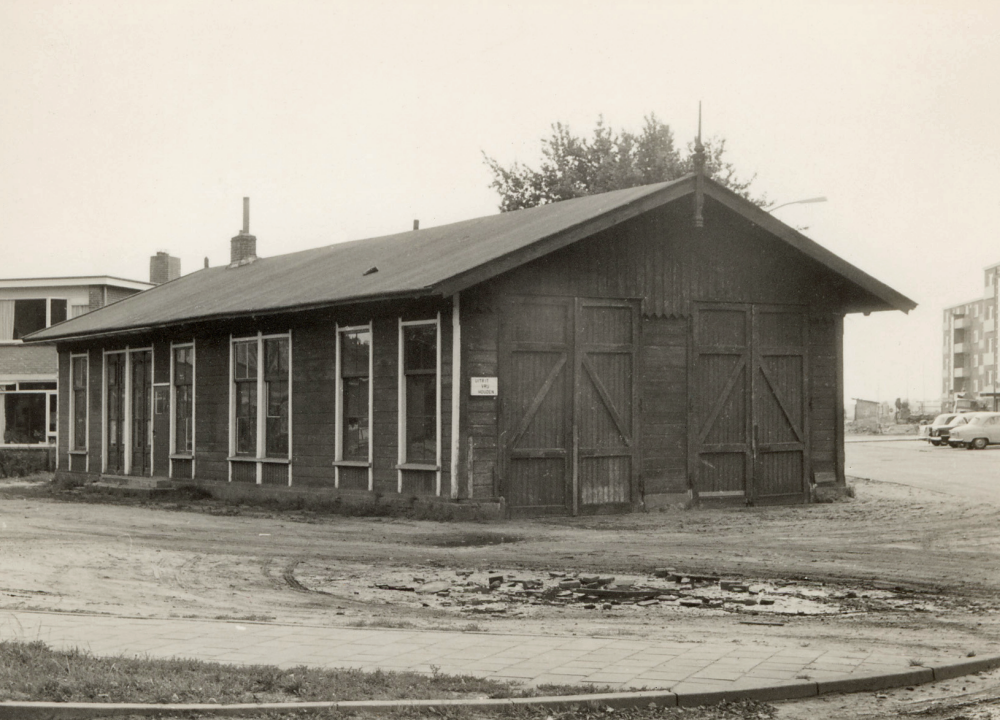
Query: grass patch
x=34, y=671
x=195, y=498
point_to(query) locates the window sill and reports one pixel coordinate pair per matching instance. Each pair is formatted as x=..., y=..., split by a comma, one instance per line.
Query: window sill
x=26, y=446
x=352, y=463
x=418, y=466
x=182, y=456
x=248, y=459
x=78, y=452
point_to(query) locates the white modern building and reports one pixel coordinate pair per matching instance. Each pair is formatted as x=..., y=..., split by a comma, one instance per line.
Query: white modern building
x=970, y=349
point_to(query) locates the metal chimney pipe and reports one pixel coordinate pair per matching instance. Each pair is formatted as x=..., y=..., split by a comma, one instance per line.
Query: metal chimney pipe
x=246, y=216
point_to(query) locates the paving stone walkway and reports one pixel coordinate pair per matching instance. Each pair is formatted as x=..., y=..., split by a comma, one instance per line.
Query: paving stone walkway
x=618, y=663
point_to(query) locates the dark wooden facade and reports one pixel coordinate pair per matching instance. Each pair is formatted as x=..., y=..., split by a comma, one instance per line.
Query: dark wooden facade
x=651, y=362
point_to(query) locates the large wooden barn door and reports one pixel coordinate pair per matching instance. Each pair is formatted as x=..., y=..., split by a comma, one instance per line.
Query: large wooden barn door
x=536, y=389
x=567, y=388
x=605, y=387
x=720, y=427
x=781, y=457
x=749, y=437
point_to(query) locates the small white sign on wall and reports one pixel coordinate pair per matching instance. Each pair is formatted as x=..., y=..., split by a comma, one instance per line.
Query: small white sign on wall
x=484, y=386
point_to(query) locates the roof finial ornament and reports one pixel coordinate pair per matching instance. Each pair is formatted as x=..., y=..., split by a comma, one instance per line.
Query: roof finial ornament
x=699, y=176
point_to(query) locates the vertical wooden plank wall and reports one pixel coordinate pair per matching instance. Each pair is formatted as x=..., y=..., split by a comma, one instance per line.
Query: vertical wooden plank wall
x=663, y=405
x=824, y=389
x=211, y=396
x=62, y=426
x=478, y=442
x=314, y=388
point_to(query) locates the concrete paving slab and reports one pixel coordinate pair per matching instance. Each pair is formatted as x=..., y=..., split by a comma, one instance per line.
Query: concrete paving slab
x=691, y=670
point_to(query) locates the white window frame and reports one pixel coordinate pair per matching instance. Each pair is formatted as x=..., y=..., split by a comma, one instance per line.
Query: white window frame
x=259, y=459
x=402, y=463
x=50, y=437
x=48, y=314
x=72, y=411
x=173, y=454
x=339, y=462
x=127, y=409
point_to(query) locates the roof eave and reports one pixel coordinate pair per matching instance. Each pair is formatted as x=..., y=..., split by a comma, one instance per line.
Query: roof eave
x=221, y=317
x=893, y=300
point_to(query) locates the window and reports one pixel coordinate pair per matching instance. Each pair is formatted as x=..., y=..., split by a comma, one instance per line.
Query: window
x=353, y=412
x=183, y=404
x=245, y=378
x=276, y=391
x=23, y=317
x=262, y=377
x=420, y=399
x=78, y=402
x=29, y=316
x=57, y=311
x=24, y=421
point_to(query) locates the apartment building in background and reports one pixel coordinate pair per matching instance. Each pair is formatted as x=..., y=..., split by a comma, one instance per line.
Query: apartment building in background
x=969, y=358
x=29, y=373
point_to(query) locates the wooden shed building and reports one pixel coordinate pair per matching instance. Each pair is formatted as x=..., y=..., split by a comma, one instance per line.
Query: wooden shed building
x=664, y=343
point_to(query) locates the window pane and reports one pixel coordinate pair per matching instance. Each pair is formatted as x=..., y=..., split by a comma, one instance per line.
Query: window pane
x=29, y=316
x=246, y=418
x=354, y=349
x=58, y=311
x=79, y=419
x=80, y=372
x=246, y=360
x=355, y=419
x=421, y=419
x=275, y=359
x=183, y=435
x=53, y=413
x=276, y=431
x=420, y=347
x=24, y=418
x=183, y=366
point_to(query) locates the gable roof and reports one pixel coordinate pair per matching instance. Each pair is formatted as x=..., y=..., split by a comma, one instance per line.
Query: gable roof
x=436, y=261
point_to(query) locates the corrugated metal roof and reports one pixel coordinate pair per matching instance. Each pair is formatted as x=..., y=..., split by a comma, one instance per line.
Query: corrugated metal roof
x=428, y=261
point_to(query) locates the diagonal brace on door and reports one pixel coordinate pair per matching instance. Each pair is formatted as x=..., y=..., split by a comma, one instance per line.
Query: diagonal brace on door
x=536, y=403
x=721, y=401
x=781, y=401
x=608, y=403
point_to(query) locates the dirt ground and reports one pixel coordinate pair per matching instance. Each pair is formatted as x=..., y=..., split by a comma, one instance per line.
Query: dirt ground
x=897, y=566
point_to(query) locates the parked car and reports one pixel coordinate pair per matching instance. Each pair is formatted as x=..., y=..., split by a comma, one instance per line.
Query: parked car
x=936, y=432
x=981, y=429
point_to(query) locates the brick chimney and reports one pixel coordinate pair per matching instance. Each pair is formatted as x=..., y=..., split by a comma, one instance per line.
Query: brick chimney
x=243, y=247
x=163, y=268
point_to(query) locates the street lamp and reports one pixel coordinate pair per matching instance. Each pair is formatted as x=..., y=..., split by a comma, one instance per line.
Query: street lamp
x=796, y=202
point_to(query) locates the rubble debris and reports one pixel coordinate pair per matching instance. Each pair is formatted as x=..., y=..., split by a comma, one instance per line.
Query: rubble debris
x=664, y=590
x=620, y=594
x=733, y=586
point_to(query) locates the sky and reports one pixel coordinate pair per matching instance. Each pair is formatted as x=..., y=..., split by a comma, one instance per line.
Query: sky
x=134, y=127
